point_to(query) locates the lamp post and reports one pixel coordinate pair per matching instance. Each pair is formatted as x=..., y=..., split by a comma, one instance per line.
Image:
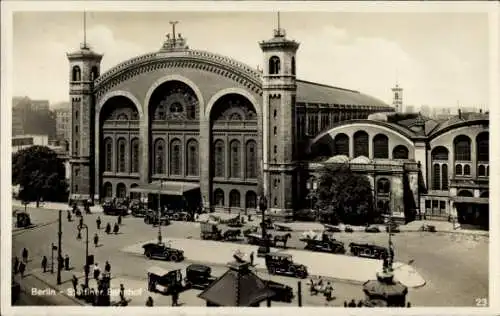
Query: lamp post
x=87, y=268
x=159, y=211
x=53, y=248
x=263, y=208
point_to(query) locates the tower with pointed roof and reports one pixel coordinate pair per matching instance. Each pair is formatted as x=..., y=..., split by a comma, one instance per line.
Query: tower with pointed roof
x=84, y=65
x=279, y=122
x=397, y=98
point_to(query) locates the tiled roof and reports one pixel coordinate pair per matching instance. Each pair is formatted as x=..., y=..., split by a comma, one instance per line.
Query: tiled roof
x=310, y=92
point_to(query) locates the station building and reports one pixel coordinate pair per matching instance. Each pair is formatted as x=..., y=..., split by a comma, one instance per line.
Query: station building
x=179, y=120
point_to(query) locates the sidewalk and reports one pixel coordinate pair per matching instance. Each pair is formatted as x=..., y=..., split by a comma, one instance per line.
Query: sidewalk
x=338, y=267
x=52, y=206
x=136, y=291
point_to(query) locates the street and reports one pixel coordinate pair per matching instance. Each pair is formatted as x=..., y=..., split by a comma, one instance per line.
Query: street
x=454, y=267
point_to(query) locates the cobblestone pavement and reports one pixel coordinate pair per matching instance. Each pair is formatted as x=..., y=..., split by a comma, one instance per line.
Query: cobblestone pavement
x=454, y=266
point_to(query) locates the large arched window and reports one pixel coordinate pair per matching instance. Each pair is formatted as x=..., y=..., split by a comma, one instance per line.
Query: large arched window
x=234, y=198
x=341, y=145
x=274, y=65
x=121, y=147
x=462, y=148
x=293, y=65
x=251, y=159
x=108, y=154
x=440, y=153
x=381, y=146
x=121, y=190
x=234, y=158
x=192, y=158
x=458, y=169
x=107, y=189
x=400, y=152
x=218, y=197
x=159, y=157
x=76, y=74
x=361, y=144
x=219, y=159
x=483, y=147
x=134, y=155
x=175, y=157
x=436, y=179
x=251, y=200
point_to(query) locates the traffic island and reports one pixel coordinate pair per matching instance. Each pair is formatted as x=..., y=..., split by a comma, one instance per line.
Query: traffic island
x=342, y=268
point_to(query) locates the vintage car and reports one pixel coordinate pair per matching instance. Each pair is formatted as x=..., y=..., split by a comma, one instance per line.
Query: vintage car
x=137, y=209
x=332, y=228
x=372, y=229
x=282, y=264
x=283, y=293
x=23, y=219
x=163, y=252
x=329, y=245
x=151, y=217
x=368, y=251
x=198, y=276
x=115, y=207
x=164, y=281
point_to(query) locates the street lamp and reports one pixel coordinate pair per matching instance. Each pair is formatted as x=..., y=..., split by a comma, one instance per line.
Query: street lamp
x=87, y=268
x=263, y=208
x=159, y=211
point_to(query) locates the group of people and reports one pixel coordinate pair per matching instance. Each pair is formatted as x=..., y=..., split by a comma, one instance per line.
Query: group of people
x=62, y=263
x=321, y=287
x=20, y=266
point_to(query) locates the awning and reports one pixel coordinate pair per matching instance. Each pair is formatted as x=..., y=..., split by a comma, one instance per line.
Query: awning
x=470, y=200
x=166, y=187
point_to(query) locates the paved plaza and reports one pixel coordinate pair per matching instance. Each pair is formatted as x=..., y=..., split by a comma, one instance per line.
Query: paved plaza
x=453, y=265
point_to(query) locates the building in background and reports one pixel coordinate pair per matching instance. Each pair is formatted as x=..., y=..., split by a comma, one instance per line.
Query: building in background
x=32, y=117
x=409, y=109
x=63, y=123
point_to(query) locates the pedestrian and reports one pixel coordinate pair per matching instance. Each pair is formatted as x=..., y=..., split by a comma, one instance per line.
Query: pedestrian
x=119, y=219
x=86, y=269
x=25, y=255
x=66, y=262
x=97, y=271
x=345, y=304
x=408, y=304
x=98, y=222
x=107, y=267
x=108, y=228
x=79, y=233
x=360, y=303
x=81, y=222
x=251, y=258
x=116, y=229
x=69, y=216
x=328, y=292
x=74, y=281
x=22, y=268
x=175, y=296
x=122, y=292
x=44, y=264
x=96, y=240
x=92, y=296
x=60, y=262
x=16, y=265
x=149, y=302
x=352, y=303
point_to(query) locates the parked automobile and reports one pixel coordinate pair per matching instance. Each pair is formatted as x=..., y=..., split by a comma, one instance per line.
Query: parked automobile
x=372, y=229
x=162, y=251
x=282, y=264
x=164, y=281
x=283, y=293
x=368, y=251
x=198, y=276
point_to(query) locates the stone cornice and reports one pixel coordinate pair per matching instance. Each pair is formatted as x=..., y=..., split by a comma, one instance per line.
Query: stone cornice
x=206, y=61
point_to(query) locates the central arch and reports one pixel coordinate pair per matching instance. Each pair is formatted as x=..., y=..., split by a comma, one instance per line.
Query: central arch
x=224, y=92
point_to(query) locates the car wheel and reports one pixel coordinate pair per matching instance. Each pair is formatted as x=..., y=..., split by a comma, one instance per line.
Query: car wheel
x=174, y=258
x=148, y=254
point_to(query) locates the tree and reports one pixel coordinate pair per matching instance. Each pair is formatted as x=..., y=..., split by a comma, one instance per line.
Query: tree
x=345, y=196
x=40, y=174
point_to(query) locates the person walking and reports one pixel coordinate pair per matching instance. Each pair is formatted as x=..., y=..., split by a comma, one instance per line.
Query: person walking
x=44, y=264
x=68, y=214
x=175, y=296
x=108, y=228
x=122, y=292
x=251, y=258
x=15, y=268
x=352, y=303
x=98, y=222
x=97, y=271
x=96, y=240
x=25, y=255
x=119, y=219
x=107, y=267
x=149, y=302
x=74, y=281
x=66, y=262
x=22, y=268
x=79, y=233
x=81, y=222
x=116, y=229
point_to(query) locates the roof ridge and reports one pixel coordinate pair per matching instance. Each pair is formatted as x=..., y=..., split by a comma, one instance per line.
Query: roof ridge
x=327, y=86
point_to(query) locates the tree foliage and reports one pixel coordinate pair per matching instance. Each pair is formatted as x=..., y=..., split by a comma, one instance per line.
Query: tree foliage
x=345, y=196
x=40, y=174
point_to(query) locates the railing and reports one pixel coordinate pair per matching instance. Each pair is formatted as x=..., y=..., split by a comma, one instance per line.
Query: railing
x=245, y=125
x=191, y=125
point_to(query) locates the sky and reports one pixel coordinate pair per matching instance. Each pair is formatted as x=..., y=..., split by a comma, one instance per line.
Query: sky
x=439, y=59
